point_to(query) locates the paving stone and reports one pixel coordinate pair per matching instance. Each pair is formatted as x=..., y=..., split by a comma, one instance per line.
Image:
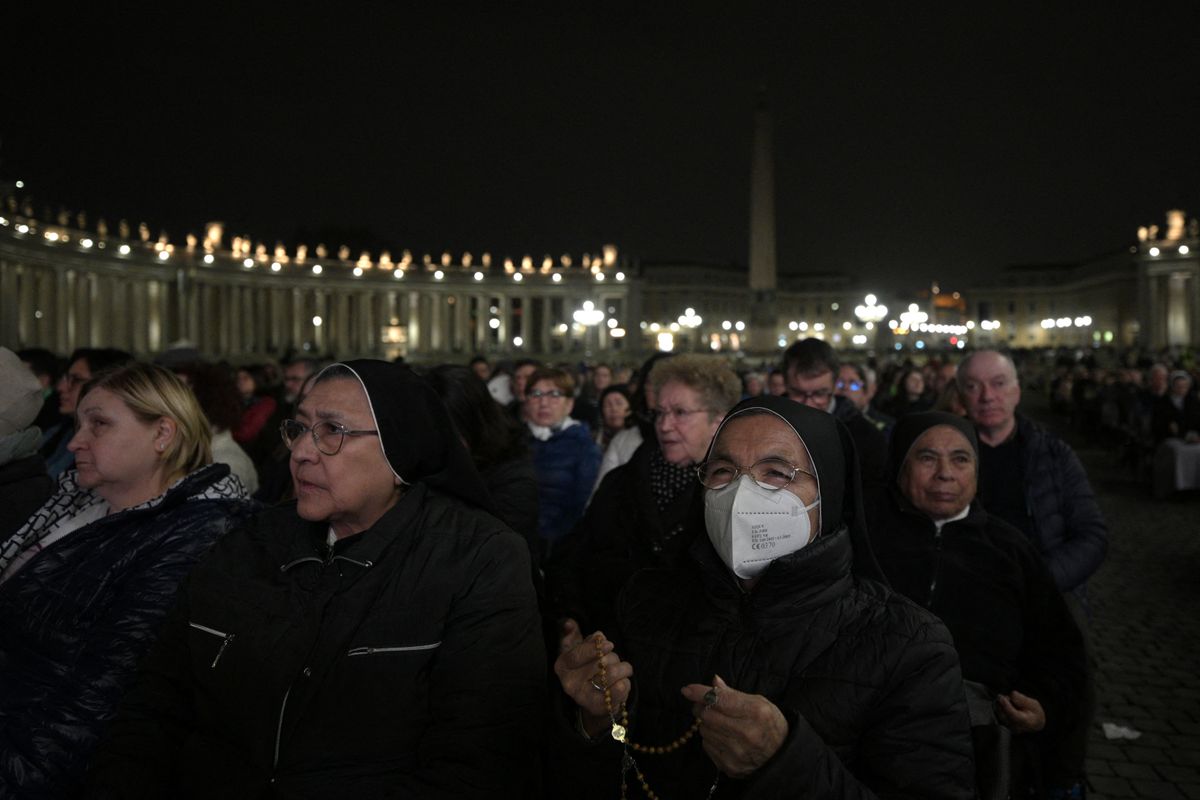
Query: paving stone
x=1096, y=767
x=1159, y=790
x=1146, y=755
x=1178, y=774
x=1190, y=790
x=1127, y=769
x=1115, y=787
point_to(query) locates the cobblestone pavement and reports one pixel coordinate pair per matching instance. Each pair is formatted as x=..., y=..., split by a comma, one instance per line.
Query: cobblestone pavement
x=1146, y=633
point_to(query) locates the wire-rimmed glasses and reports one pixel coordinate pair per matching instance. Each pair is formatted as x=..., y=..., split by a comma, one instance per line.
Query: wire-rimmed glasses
x=327, y=436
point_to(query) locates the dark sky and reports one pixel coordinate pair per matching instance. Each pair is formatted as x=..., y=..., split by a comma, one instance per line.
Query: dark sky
x=912, y=141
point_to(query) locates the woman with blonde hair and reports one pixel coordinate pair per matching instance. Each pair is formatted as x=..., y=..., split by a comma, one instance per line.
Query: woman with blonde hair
x=86, y=581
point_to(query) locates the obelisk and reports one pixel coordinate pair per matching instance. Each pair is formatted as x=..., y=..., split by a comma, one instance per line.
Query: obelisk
x=763, y=264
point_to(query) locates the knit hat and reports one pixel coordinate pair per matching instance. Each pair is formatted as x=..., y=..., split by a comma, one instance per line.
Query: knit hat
x=20, y=394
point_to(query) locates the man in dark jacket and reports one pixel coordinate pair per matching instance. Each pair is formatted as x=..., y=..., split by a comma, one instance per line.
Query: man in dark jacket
x=810, y=368
x=1034, y=481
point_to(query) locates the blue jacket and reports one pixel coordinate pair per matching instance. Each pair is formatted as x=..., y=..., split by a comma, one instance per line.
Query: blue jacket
x=1068, y=527
x=75, y=620
x=566, y=465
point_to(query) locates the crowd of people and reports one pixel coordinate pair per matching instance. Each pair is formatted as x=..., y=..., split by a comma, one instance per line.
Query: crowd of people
x=822, y=578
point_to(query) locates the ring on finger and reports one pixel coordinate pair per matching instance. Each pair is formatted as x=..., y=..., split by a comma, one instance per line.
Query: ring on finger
x=596, y=684
x=710, y=697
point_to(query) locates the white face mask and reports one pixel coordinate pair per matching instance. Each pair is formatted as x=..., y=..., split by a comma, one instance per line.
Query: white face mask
x=751, y=526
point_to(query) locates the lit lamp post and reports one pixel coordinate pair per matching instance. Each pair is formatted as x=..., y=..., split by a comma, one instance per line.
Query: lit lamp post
x=691, y=320
x=589, y=317
x=869, y=314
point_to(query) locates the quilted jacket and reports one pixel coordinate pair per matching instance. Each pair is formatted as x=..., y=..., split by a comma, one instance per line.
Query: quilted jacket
x=75, y=620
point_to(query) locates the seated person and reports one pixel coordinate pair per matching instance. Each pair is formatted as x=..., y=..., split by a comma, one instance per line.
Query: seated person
x=87, y=581
x=987, y=582
x=378, y=637
x=768, y=664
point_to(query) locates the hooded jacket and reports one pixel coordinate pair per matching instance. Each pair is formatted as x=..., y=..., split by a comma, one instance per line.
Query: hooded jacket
x=869, y=683
x=405, y=660
x=75, y=620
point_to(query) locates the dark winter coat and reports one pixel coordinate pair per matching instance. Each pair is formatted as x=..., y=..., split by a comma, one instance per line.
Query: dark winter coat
x=987, y=582
x=566, y=465
x=405, y=661
x=621, y=532
x=514, y=490
x=24, y=486
x=1068, y=528
x=870, y=445
x=869, y=683
x=1167, y=420
x=75, y=620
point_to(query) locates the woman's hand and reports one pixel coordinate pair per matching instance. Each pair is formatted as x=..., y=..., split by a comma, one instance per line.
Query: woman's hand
x=577, y=671
x=1021, y=713
x=740, y=731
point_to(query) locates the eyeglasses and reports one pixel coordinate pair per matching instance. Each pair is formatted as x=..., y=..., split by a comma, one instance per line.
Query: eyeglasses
x=821, y=395
x=853, y=386
x=327, y=436
x=770, y=473
x=676, y=415
x=537, y=394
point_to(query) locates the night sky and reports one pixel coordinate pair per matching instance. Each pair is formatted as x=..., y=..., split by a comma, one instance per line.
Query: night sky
x=912, y=142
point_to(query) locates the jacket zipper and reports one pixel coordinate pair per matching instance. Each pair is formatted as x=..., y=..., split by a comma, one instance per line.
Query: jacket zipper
x=366, y=651
x=937, y=563
x=226, y=640
x=279, y=728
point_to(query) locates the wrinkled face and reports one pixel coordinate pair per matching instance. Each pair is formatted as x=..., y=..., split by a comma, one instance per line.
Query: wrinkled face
x=814, y=389
x=615, y=409
x=601, y=378
x=355, y=487
x=852, y=387
x=748, y=439
x=914, y=384
x=938, y=476
x=776, y=385
x=245, y=384
x=683, y=425
x=990, y=391
x=520, y=377
x=547, y=410
x=115, y=451
x=70, y=383
x=294, y=376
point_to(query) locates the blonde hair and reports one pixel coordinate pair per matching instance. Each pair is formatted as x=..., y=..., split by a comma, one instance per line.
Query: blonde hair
x=152, y=393
x=718, y=386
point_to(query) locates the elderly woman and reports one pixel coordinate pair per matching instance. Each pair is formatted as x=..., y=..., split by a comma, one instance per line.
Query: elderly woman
x=564, y=456
x=376, y=638
x=987, y=582
x=768, y=664
x=85, y=583
x=646, y=512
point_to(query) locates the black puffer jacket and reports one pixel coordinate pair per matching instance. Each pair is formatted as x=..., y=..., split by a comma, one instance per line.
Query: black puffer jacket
x=75, y=620
x=404, y=662
x=1069, y=528
x=621, y=532
x=987, y=582
x=24, y=486
x=868, y=682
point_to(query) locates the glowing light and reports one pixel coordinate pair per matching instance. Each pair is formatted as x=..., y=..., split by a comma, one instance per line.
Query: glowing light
x=1047, y=324
x=970, y=324
x=793, y=325
x=739, y=325
x=22, y=228
x=518, y=341
x=666, y=342
x=726, y=325
x=782, y=341
x=1154, y=251
x=86, y=244
x=846, y=326
x=834, y=306
x=620, y=276
x=163, y=255
x=209, y=258
x=478, y=276
x=51, y=236
x=397, y=273
x=859, y=339
x=248, y=263
x=600, y=277
x=438, y=275
x=617, y=333
x=612, y=323
x=272, y=268
x=19, y=184
x=1184, y=250
x=317, y=270
x=556, y=277
x=123, y=249
x=820, y=326
x=4, y=221
x=920, y=344
x=802, y=327
x=317, y=322
x=494, y=323
x=588, y=315
x=517, y=277
x=357, y=271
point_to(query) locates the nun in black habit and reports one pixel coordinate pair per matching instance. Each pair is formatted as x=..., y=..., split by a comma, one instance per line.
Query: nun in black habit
x=377, y=637
x=809, y=677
